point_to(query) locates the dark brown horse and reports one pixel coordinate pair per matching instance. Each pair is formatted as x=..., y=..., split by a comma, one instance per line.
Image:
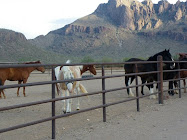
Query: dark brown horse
x=183, y=74
x=18, y=74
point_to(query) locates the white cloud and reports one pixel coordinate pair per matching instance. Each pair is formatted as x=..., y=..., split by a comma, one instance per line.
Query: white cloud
x=36, y=17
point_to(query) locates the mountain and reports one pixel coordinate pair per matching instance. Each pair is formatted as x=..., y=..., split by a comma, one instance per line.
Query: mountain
x=118, y=29
x=122, y=29
x=14, y=47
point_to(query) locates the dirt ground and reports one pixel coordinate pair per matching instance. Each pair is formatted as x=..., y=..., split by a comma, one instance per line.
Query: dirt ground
x=154, y=121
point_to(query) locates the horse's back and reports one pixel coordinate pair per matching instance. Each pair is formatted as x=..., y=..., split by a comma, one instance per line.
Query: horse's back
x=184, y=64
x=76, y=71
x=129, y=68
x=134, y=59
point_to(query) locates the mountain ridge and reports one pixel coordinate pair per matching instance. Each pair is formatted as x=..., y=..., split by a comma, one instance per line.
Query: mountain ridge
x=118, y=29
x=118, y=26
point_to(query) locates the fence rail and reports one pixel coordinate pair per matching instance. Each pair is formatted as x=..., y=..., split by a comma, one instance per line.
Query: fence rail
x=104, y=105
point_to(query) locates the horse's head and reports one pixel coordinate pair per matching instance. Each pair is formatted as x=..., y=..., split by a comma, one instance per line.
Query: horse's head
x=182, y=55
x=166, y=57
x=42, y=69
x=90, y=68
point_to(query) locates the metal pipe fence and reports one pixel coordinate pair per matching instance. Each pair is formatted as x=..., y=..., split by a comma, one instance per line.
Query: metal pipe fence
x=104, y=105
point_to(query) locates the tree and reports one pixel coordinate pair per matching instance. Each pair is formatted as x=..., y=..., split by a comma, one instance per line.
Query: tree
x=87, y=59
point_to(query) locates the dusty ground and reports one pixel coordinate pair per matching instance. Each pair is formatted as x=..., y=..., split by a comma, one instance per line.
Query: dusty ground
x=154, y=121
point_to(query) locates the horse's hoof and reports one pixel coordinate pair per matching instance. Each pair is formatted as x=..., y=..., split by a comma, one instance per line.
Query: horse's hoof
x=171, y=93
x=152, y=97
x=131, y=95
x=166, y=97
x=64, y=112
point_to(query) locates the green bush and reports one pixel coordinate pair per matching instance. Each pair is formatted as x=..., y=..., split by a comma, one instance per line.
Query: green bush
x=87, y=59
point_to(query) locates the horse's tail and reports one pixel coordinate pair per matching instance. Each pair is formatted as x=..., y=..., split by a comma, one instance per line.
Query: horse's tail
x=68, y=61
x=82, y=88
x=1, y=90
x=1, y=85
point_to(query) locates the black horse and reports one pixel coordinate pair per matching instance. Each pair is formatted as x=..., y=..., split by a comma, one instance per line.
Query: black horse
x=130, y=68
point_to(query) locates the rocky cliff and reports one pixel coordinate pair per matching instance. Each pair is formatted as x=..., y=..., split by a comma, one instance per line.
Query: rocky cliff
x=11, y=36
x=121, y=26
x=135, y=15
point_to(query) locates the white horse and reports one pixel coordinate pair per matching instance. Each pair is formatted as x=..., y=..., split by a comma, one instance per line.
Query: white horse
x=67, y=88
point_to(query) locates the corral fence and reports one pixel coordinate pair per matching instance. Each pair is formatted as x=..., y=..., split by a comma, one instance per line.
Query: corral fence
x=104, y=105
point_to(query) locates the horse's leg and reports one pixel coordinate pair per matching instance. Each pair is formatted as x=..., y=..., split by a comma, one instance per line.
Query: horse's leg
x=57, y=88
x=2, y=91
x=63, y=101
x=143, y=82
x=19, y=82
x=77, y=90
x=68, y=103
x=171, y=92
x=184, y=85
x=126, y=83
x=130, y=80
x=3, y=94
x=24, y=81
x=151, y=90
x=176, y=86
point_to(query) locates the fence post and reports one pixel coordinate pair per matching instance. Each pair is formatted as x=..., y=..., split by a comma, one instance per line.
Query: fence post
x=179, y=85
x=160, y=79
x=137, y=93
x=103, y=95
x=53, y=103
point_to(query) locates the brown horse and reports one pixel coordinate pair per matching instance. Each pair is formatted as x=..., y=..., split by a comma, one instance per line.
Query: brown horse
x=18, y=74
x=183, y=74
x=90, y=68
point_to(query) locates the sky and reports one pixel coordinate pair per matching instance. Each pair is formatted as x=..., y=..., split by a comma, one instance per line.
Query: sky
x=38, y=17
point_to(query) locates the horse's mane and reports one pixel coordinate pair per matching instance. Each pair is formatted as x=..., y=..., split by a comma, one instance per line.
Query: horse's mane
x=154, y=57
x=33, y=62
